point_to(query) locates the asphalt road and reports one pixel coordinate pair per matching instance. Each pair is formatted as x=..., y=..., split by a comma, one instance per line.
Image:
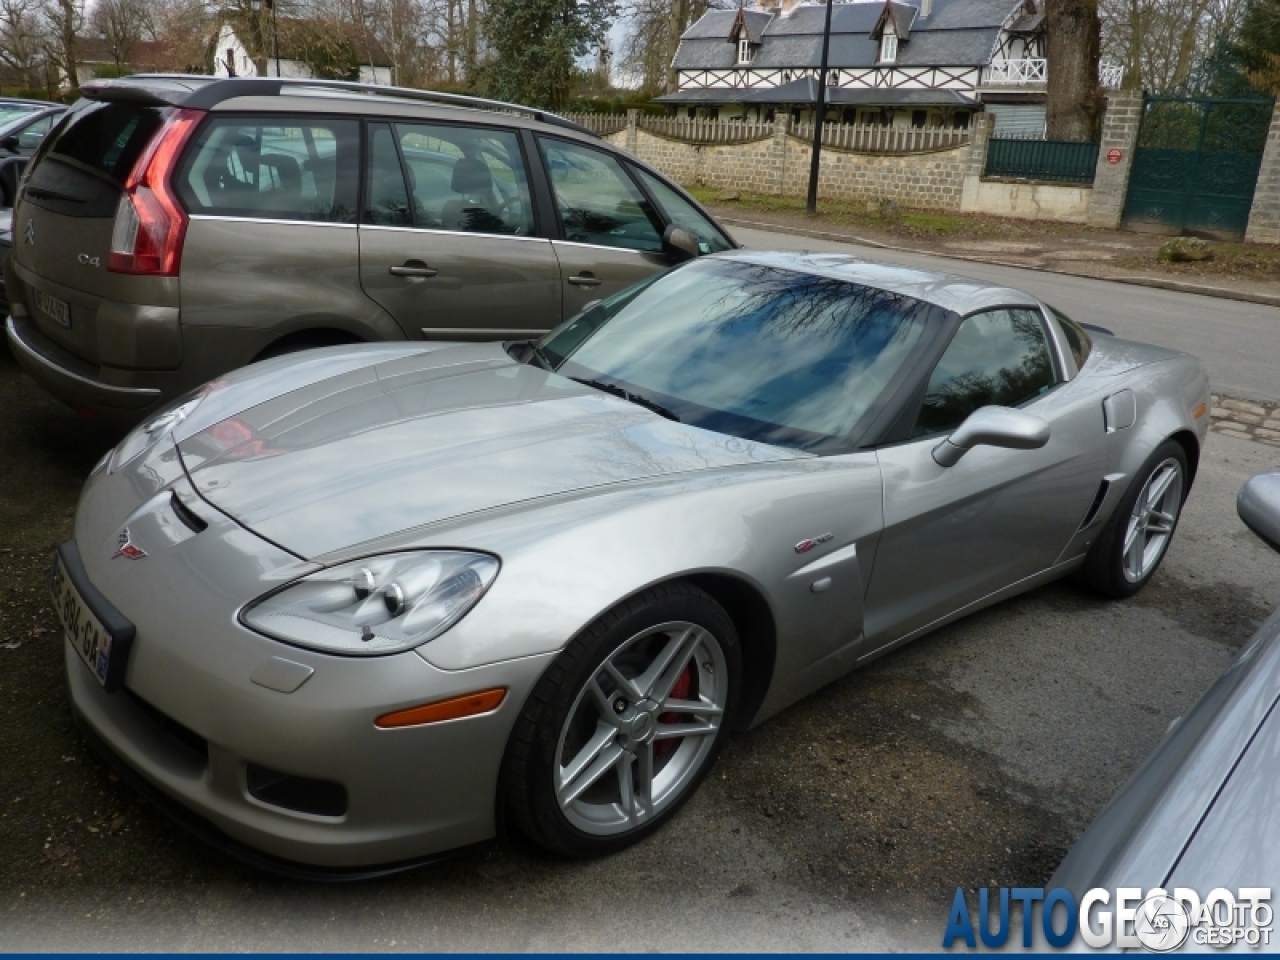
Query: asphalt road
x=1238, y=341
x=972, y=757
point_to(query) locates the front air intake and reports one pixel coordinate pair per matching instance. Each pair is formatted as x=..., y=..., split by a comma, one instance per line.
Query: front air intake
x=320, y=798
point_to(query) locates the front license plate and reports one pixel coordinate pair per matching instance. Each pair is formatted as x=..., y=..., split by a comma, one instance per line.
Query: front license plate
x=58, y=310
x=97, y=647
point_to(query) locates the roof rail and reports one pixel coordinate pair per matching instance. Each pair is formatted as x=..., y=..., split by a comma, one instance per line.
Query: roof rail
x=220, y=88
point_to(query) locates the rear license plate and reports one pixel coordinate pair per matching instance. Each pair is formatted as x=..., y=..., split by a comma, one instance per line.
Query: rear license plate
x=97, y=647
x=54, y=308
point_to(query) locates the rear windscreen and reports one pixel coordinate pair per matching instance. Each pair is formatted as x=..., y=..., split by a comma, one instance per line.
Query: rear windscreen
x=87, y=158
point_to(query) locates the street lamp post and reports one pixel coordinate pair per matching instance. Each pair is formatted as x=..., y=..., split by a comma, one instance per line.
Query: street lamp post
x=820, y=115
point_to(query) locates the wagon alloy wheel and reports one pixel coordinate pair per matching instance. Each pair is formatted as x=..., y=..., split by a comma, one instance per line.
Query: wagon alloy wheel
x=641, y=728
x=624, y=724
x=1152, y=520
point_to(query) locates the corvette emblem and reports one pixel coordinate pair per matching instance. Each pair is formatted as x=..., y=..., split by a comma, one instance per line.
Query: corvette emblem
x=804, y=546
x=127, y=548
x=31, y=232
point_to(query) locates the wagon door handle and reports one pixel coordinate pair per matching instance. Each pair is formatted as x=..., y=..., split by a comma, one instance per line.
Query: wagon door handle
x=585, y=279
x=414, y=268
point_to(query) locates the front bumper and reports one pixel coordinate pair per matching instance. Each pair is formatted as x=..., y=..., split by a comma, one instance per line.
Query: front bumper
x=190, y=721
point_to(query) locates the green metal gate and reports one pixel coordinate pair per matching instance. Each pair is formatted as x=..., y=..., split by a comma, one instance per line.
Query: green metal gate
x=1196, y=165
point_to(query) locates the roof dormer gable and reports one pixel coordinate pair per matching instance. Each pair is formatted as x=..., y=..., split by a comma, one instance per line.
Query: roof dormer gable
x=895, y=18
x=749, y=28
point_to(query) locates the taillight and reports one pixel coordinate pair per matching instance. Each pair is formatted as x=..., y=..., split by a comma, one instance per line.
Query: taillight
x=150, y=223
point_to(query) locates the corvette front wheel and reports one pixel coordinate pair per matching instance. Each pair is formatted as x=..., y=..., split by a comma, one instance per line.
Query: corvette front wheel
x=625, y=723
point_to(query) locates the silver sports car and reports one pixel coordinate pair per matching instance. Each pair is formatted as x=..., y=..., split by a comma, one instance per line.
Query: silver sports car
x=346, y=610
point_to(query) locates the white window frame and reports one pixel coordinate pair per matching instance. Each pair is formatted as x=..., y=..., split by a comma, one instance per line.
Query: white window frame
x=888, y=46
x=744, y=48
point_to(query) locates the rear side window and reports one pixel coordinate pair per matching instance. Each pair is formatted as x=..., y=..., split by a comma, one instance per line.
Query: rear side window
x=83, y=164
x=31, y=136
x=469, y=179
x=274, y=168
x=1078, y=342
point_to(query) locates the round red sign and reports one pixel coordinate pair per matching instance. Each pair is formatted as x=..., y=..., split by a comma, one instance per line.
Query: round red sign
x=1114, y=156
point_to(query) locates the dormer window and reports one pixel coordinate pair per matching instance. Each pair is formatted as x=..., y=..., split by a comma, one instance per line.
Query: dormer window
x=744, y=49
x=888, y=45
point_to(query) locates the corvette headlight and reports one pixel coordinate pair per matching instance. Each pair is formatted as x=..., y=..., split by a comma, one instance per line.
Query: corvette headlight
x=148, y=433
x=378, y=605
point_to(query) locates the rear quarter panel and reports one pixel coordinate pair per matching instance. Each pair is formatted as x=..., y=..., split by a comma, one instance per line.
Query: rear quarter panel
x=273, y=278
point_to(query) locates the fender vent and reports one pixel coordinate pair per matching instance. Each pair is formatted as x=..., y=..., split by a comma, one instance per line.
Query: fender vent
x=1098, y=499
x=321, y=798
x=188, y=516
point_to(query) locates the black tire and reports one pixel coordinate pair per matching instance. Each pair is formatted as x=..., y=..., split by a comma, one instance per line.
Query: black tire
x=296, y=343
x=1104, y=567
x=532, y=761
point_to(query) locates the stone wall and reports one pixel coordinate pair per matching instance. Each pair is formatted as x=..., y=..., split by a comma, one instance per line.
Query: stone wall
x=779, y=166
x=1264, y=217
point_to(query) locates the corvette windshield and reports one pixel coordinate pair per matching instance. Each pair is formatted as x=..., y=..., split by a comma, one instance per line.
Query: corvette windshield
x=753, y=351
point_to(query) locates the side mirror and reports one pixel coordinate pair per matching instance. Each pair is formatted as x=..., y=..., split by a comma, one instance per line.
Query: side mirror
x=992, y=427
x=680, y=243
x=1258, y=504
x=11, y=144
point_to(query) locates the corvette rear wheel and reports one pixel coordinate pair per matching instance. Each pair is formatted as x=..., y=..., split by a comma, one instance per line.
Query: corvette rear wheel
x=1128, y=552
x=625, y=723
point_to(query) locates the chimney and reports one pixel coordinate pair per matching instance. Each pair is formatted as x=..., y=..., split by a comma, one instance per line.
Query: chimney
x=788, y=6
x=926, y=8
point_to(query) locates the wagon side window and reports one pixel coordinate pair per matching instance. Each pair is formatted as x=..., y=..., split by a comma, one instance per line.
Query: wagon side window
x=999, y=357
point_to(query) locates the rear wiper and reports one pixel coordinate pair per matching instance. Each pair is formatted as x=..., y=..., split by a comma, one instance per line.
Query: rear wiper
x=635, y=398
x=52, y=195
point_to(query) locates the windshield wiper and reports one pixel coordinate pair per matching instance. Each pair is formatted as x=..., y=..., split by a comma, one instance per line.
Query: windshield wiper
x=635, y=398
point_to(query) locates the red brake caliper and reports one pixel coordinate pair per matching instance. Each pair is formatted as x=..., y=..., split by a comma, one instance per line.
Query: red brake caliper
x=681, y=691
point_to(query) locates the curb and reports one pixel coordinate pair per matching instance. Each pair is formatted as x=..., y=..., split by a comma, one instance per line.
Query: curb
x=1177, y=286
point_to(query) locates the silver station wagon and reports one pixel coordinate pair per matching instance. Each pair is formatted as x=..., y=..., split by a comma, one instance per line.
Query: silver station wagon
x=171, y=229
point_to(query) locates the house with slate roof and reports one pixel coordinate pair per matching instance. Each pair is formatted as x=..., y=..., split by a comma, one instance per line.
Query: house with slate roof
x=915, y=63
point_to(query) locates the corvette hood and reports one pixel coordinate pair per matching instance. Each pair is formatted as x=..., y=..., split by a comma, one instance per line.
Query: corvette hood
x=419, y=439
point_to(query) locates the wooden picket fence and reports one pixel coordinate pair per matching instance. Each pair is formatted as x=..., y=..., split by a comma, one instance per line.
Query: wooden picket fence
x=854, y=138
x=875, y=138
x=601, y=124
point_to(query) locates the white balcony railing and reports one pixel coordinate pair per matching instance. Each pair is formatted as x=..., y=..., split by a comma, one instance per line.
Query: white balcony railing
x=1110, y=75
x=1006, y=72
x=1014, y=72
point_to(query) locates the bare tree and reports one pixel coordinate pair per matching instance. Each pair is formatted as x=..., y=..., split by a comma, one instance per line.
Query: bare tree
x=22, y=39
x=1073, y=95
x=1159, y=42
x=186, y=28
x=655, y=29
x=120, y=24
x=65, y=21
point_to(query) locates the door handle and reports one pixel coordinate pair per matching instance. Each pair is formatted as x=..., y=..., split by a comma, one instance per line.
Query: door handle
x=585, y=279
x=413, y=268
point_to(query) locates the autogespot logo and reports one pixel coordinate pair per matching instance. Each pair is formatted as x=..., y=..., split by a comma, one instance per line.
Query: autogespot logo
x=1159, y=921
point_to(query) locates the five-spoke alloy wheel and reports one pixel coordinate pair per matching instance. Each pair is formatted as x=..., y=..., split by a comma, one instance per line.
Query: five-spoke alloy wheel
x=1135, y=539
x=1152, y=519
x=625, y=723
